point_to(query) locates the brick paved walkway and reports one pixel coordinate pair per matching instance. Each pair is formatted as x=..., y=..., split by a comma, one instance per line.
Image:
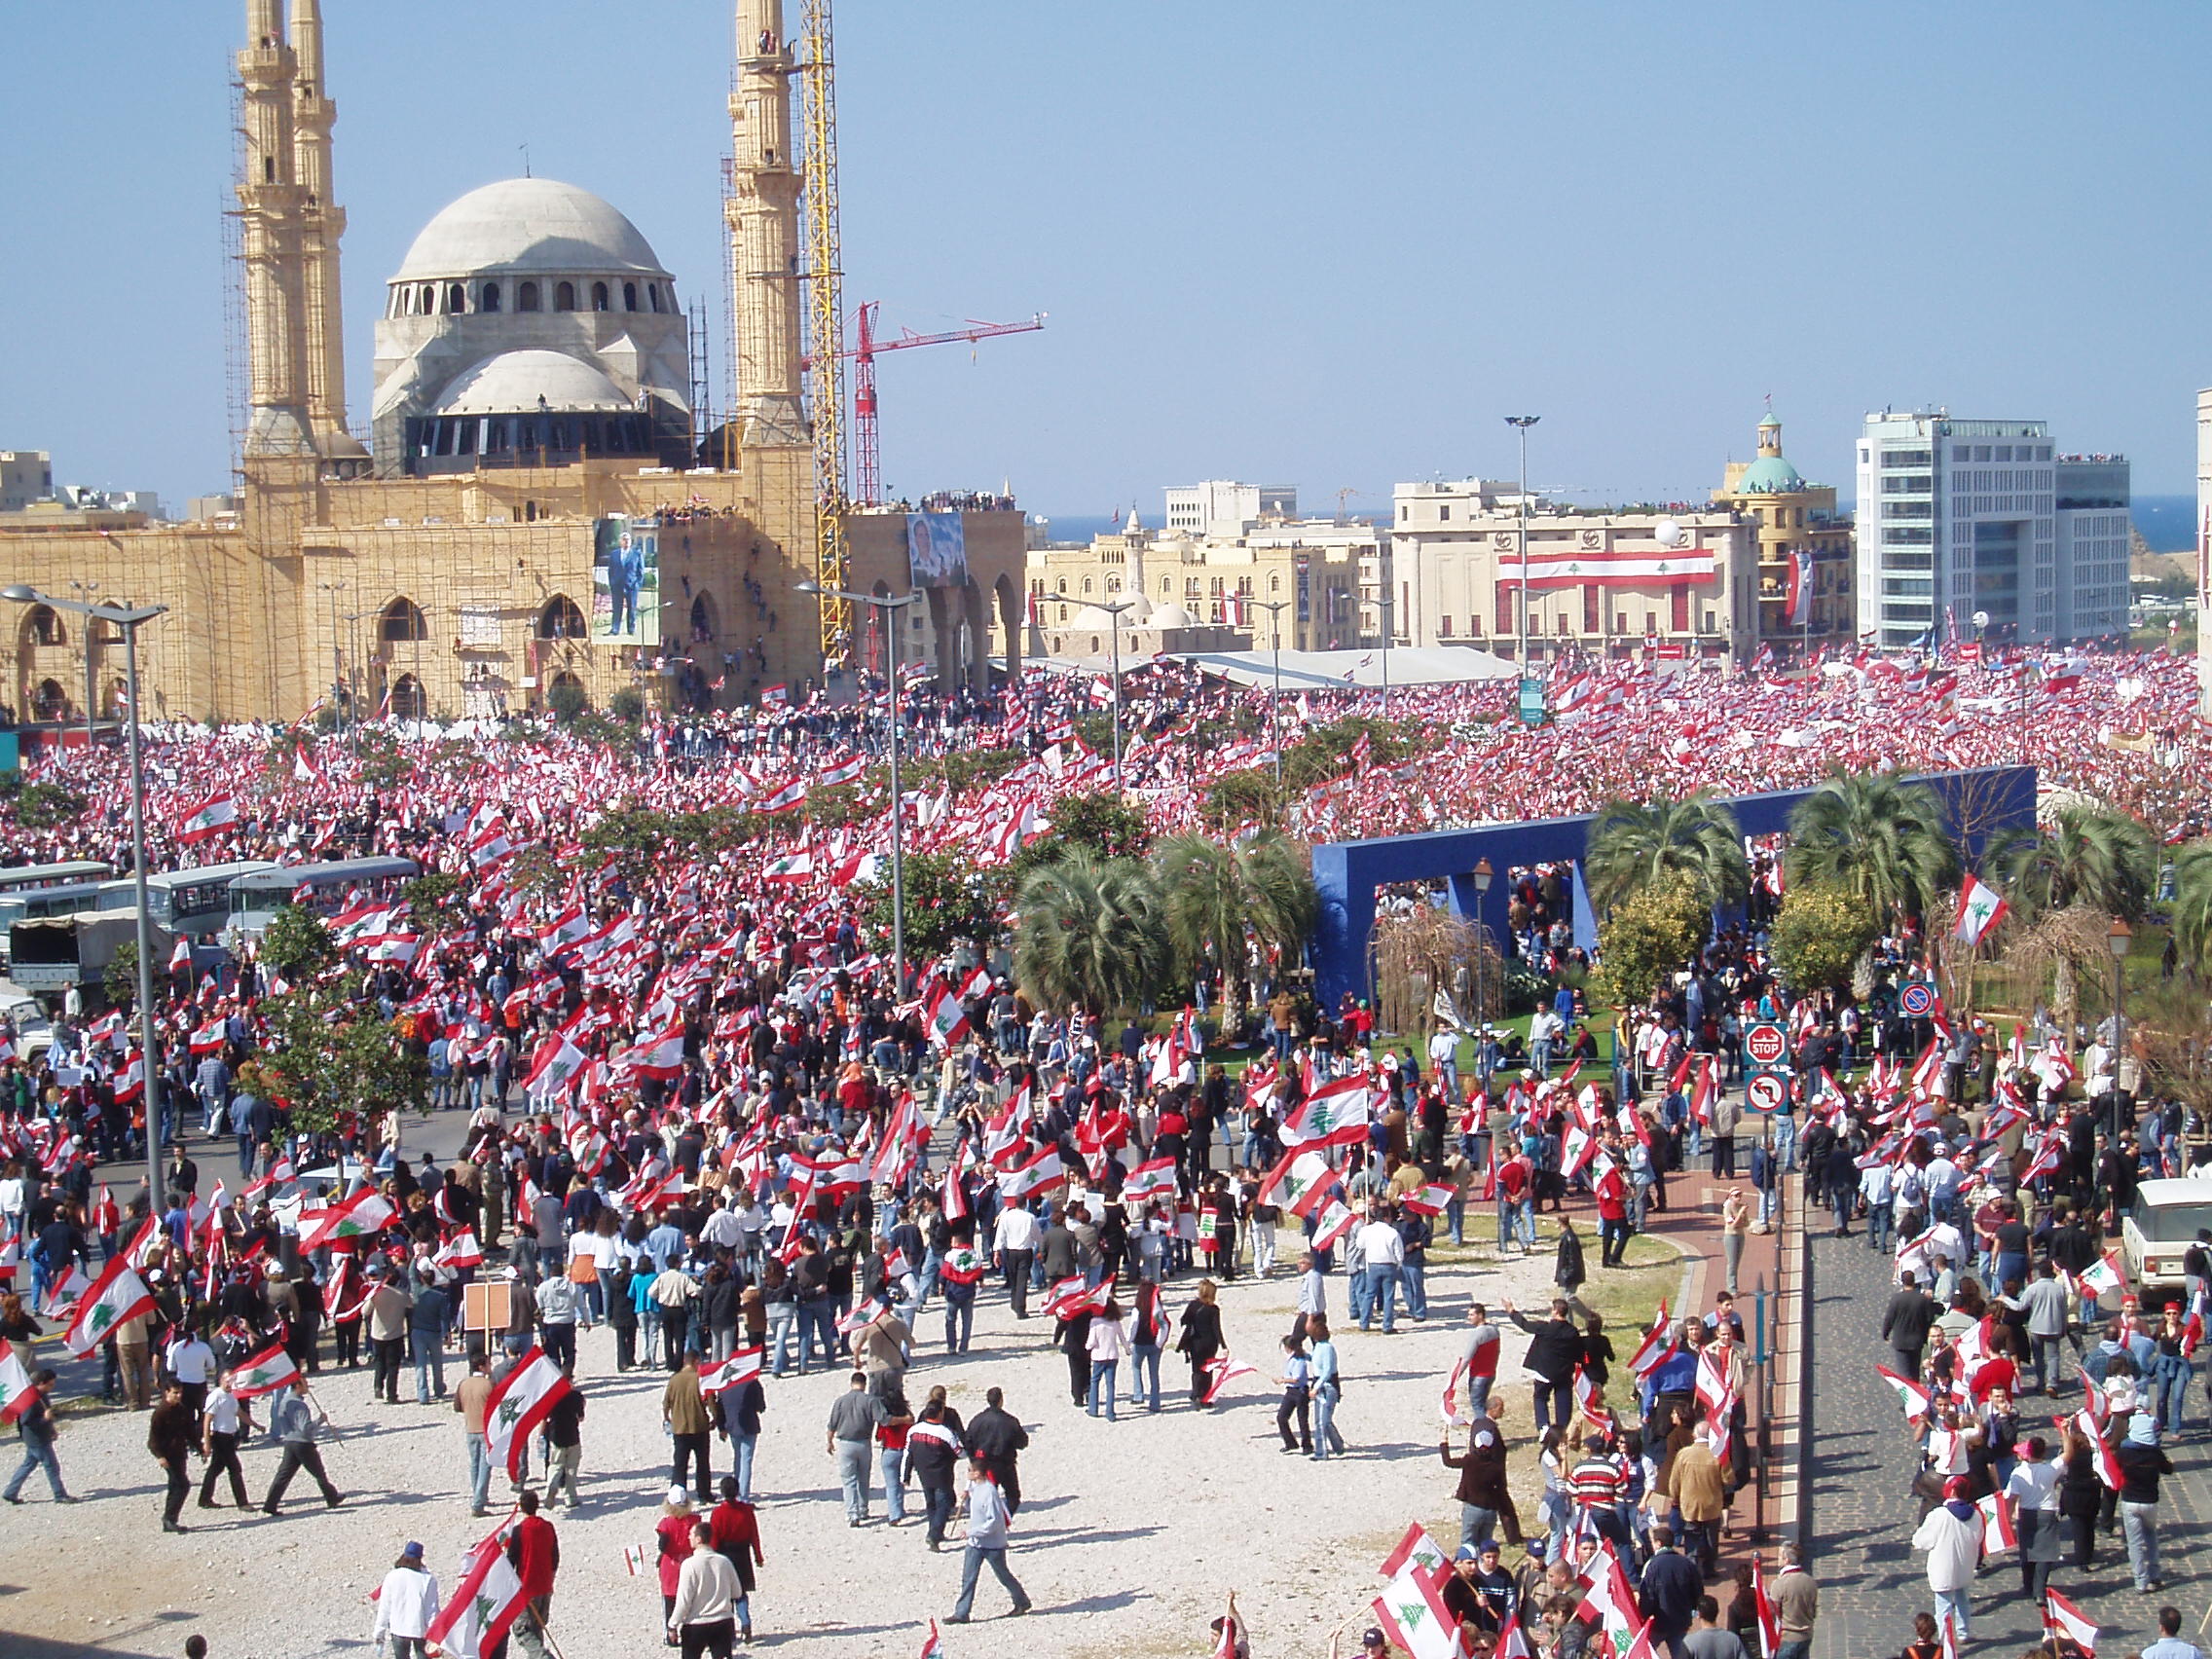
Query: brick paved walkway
x=1871, y=1579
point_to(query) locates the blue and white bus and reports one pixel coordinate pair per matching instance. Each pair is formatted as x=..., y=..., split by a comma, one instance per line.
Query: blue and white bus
x=255, y=899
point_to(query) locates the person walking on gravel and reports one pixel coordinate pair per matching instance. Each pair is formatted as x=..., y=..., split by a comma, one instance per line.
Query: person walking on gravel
x=987, y=1519
x=293, y=1419
x=168, y=1437
x=35, y=1427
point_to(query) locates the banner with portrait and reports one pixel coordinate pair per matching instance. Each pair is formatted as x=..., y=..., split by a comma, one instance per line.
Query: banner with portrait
x=625, y=582
x=936, y=549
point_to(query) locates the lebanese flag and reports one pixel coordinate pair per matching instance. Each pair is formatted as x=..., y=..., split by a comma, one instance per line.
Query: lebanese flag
x=1334, y=1222
x=557, y=1062
x=462, y=1250
x=568, y=928
x=1511, y=1644
x=1221, y=1370
x=1430, y=1201
x=208, y=1039
x=948, y=1019
x=2101, y=1454
x=2062, y=1617
x=265, y=1373
x=963, y=1265
x=1658, y=1344
x=486, y=1601
x=204, y=820
x=1997, y=1529
x=1300, y=1181
x=1070, y=1297
x=131, y=1082
x=518, y=1404
x=931, y=1647
x=791, y=795
x=1040, y=1172
x=1153, y=1179
x=118, y=1294
x=1981, y=908
x=1334, y=1115
x=858, y=1318
x=2106, y=1276
x=1769, y=1620
x=1586, y=1402
x=660, y=1053
x=1910, y=1394
x=741, y=1368
x=362, y=1216
x=1705, y=1092
x=16, y=1394
x=1452, y=1411
x=1416, y=1549
x=1412, y=1613
x=844, y=772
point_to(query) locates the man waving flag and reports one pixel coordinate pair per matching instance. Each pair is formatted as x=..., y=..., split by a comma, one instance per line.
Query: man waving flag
x=118, y=1295
x=518, y=1403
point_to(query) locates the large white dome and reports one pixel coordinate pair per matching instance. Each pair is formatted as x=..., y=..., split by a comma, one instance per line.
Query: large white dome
x=528, y=225
x=515, y=381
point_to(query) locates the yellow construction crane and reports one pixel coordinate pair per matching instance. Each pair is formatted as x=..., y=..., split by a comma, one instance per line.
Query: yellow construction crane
x=826, y=325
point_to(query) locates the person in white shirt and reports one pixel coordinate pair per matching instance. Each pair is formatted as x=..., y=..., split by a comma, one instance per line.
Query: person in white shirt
x=2034, y=1487
x=704, y=1618
x=229, y=1420
x=1108, y=1344
x=1385, y=1254
x=406, y=1604
x=192, y=1363
x=1013, y=1242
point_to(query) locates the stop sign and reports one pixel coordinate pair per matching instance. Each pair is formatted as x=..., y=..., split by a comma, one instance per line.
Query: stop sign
x=1766, y=1044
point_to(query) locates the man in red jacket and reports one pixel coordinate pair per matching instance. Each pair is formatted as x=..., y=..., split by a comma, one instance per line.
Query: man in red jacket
x=534, y=1550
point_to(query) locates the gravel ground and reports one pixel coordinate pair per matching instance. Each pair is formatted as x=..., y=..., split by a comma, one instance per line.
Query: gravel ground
x=1130, y=1536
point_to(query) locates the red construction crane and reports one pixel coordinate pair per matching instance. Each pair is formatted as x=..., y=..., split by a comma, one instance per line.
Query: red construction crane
x=867, y=459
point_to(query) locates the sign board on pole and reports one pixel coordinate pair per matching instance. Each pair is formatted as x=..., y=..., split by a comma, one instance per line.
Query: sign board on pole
x=1766, y=1044
x=1766, y=1092
x=1532, y=700
x=487, y=1306
x=1916, y=1000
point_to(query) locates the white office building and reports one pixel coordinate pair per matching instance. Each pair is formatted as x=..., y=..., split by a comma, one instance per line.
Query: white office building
x=1963, y=517
x=1222, y=510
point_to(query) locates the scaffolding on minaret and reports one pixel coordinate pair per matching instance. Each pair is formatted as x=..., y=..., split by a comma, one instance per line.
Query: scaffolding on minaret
x=826, y=324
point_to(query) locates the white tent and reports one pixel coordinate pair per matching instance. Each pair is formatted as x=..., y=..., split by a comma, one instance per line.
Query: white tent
x=1322, y=671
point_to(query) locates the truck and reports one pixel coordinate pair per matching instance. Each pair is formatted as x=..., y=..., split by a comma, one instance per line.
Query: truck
x=48, y=954
x=2158, y=1233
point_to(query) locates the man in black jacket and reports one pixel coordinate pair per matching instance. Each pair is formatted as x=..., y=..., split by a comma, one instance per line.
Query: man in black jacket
x=1554, y=1349
x=1904, y=1326
x=997, y=1439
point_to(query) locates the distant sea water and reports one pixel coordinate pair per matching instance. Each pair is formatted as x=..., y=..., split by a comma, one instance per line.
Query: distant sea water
x=2168, y=523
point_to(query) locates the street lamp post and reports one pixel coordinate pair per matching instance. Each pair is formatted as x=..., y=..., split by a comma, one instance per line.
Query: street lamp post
x=1275, y=609
x=2119, y=939
x=1115, y=611
x=1520, y=424
x=91, y=703
x=129, y=618
x=1483, y=876
x=890, y=605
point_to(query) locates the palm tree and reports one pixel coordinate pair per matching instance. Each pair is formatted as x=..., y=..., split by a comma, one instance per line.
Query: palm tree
x=2193, y=901
x=2085, y=854
x=1881, y=841
x=1219, y=898
x=1094, y=933
x=1631, y=845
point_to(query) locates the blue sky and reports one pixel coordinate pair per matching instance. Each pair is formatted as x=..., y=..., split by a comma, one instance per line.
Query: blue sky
x=1288, y=242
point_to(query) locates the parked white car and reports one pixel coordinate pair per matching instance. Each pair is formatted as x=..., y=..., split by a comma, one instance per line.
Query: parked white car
x=2166, y=1222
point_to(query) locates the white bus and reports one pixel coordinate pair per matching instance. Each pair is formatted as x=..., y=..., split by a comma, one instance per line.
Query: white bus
x=255, y=899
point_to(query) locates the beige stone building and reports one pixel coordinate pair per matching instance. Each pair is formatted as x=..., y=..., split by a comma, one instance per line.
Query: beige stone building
x=1671, y=584
x=1227, y=588
x=1804, y=547
x=528, y=510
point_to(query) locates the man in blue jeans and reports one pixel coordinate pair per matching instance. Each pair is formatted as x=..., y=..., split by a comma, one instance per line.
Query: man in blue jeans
x=988, y=1518
x=1385, y=1255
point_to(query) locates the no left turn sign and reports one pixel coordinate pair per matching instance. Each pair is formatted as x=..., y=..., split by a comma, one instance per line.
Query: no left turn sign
x=1766, y=1093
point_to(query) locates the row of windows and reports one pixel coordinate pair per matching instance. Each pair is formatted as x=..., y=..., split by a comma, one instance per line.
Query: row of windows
x=421, y=299
x=505, y=434
x=402, y=622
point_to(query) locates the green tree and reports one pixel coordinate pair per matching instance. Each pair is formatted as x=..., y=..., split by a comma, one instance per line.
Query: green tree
x=1217, y=895
x=1235, y=800
x=627, y=704
x=383, y=763
x=330, y=1052
x=120, y=981
x=297, y=944
x=1092, y=933
x=435, y=897
x=565, y=700
x=1875, y=838
x=48, y=806
x=1648, y=937
x=2085, y=854
x=1819, y=939
x=1102, y=824
x=2193, y=901
x=948, y=900
x=1633, y=844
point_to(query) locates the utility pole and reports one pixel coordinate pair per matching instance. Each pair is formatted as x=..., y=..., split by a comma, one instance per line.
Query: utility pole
x=1274, y=607
x=1115, y=611
x=1520, y=424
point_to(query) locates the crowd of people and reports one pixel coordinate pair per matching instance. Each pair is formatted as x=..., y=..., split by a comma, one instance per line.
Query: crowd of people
x=699, y=1112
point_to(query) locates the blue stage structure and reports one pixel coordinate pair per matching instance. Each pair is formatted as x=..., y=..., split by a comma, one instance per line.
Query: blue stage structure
x=1347, y=872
